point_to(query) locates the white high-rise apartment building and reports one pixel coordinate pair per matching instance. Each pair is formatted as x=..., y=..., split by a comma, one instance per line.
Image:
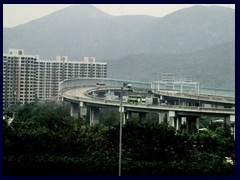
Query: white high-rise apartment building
x=19, y=77
x=27, y=78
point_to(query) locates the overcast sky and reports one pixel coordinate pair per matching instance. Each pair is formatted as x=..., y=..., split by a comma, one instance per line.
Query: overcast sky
x=16, y=14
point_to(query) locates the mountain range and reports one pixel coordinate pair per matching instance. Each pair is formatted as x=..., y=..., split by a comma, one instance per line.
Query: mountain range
x=199, y=40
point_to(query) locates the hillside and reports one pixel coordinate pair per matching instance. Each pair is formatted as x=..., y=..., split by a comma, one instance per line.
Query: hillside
x=212, y=67
x=83, y=30
x=187, y=30
x=197, y=40
x=76, y=31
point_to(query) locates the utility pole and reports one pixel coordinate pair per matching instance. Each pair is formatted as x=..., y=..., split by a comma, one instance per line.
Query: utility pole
x=120, y=135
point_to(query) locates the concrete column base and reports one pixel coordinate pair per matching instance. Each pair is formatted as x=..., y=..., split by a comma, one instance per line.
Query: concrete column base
x=161, y=117
x=74, y=110
x=126, y=117
x=170, y=119
x=94, y=116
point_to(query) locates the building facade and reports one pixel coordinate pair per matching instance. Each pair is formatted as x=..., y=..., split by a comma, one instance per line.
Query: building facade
x=19, y=77
x=26, y=78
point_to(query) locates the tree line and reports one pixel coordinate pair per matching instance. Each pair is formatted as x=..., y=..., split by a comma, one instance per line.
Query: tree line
x=44, y=140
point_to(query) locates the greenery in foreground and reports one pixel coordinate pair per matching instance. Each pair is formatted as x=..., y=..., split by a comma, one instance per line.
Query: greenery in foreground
x=45, y=140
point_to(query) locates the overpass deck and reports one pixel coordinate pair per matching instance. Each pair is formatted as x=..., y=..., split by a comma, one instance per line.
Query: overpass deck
x=80, y=95
x=200, y=97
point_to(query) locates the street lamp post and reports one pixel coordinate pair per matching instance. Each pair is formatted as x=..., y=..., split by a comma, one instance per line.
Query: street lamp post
x=121, y=124
x=120, y=134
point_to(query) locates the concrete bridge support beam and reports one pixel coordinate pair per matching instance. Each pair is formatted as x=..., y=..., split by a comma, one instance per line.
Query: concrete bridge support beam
x=179, y=123
x=227, y=121
x=197, y=123
x=192, y=124
x=82, y=111
x=232, y=118
x=161, y=117
x=184, y=120
x=74, y=110
x=94, y=116
x=126, y=117
x=170, y=119
x=175, y=119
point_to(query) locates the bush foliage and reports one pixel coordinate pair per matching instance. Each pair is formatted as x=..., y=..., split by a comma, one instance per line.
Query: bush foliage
x=44, y=140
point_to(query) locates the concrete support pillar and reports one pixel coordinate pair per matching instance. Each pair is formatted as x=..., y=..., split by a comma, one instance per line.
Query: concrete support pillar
x=197, y=123
x=82, y=111
x=94, y=115
x=142, y=116
x=78, y=110
x=170, y=119
x=188, y=124
x=71, y=109
x=192, y=124
x=161, y=117
x=183, y=120
x=227, y=121
x=179, y=123
x=126, y=117
x=74, y=110
x=232, y=118
x=175, y=120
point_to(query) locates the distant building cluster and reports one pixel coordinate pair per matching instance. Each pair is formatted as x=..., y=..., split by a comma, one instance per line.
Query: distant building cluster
x=27, y=78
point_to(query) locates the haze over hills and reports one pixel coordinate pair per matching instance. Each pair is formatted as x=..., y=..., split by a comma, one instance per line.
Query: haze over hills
x=76, y=31
x=213, y=67
x=198, y=40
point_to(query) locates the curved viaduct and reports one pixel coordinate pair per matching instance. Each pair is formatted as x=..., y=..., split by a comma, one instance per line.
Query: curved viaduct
x=82, y=94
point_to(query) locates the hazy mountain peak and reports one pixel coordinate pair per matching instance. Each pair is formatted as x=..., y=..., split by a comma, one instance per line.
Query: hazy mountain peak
x=81, y=11
x=201, y=10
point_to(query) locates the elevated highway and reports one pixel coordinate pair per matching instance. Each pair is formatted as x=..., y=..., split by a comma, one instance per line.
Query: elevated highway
x=82, y=95
x=200, y=100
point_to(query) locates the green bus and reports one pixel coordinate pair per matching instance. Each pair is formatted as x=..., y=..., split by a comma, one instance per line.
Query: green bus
x=136, y=99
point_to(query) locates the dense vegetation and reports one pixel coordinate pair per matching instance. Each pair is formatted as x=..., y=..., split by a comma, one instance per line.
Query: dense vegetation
x=44, y=140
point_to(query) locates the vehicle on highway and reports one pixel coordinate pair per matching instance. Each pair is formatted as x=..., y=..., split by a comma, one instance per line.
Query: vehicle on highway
x=136, y=99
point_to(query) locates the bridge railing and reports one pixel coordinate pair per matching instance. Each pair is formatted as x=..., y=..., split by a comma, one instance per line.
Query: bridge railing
x=136, y=84
x=106, y=81
x=198, y=97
